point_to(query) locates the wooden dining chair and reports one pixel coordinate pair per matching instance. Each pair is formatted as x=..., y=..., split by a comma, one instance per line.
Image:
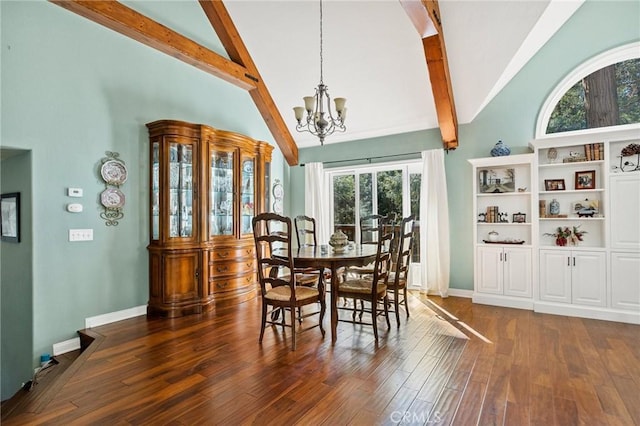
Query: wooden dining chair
x=371, y=288
x=370, y=228
x=279, y=288
x=306, y=236
x=399, y=275
x=305, y=231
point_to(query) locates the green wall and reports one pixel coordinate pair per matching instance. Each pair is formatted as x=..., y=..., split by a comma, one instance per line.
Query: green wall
x=16, y=280
x=71, y=90
x=511, y=117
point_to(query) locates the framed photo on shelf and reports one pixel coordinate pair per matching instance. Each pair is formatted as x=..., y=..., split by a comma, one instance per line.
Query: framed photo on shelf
x=554, y=185
x=586, y=179
x=496, y=181
x=519, y=217
x=10, y=217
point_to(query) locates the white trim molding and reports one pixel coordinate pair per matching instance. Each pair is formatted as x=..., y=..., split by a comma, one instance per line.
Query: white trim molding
x=98, y=320
x=613, y=56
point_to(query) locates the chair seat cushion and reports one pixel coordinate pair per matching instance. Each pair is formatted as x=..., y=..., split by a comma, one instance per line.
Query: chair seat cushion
x=304, y=279
x=360, y=286
x=283, y=293
x=402, y=282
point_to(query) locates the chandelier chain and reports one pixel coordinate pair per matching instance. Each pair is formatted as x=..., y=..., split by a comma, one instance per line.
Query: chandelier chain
x=321, y=42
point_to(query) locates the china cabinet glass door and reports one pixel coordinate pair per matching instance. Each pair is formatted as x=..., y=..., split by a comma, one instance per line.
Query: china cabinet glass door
x=180, y=190
x=267, y=187
x=222, y=200
x=155, y=191
x=247, y=195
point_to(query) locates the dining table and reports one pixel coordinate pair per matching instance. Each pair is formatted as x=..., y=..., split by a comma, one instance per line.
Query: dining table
x=319, y=257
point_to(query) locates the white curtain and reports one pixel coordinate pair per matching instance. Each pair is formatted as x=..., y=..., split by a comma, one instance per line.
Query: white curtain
x=316, y=200
x=434, y=225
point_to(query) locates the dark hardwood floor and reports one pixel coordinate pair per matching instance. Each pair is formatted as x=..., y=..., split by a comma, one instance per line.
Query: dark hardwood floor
x=486, y=366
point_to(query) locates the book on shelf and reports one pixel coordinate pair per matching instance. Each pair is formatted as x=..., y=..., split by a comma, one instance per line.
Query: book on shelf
x=594, y=151
x=492, y=214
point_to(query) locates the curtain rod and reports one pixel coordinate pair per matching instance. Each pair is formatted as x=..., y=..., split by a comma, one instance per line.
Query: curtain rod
x=368, y=158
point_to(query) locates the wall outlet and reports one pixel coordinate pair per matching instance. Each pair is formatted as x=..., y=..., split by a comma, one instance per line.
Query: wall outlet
x=80, y=235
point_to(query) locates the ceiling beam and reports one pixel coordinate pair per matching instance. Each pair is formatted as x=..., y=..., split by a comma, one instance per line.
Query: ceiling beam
x=427, y=21
x=228, y=34
x=239, y=71
x=132, y=24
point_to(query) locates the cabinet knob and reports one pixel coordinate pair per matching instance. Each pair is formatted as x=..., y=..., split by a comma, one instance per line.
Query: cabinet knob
x=222, y=285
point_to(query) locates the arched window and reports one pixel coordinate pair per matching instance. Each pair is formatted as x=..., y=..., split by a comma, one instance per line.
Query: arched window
x=603, y=92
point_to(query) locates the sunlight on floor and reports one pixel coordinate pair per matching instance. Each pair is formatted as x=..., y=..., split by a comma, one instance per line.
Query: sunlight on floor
x=453, y=319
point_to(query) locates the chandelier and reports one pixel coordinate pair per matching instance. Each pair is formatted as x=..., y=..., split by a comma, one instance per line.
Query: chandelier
x=320, y=120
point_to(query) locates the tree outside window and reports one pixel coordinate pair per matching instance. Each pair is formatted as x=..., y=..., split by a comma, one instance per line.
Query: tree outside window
x=607, y=97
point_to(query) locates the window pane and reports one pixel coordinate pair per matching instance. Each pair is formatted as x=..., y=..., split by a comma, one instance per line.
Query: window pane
x=606, y=97
x=415, y=180
x=390, y=192
x=344, y=202
x=366, y=194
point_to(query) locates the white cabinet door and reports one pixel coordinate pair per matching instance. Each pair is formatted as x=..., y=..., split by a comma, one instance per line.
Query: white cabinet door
x=625, y=210
x=555, y=276
x=489, y=270
x=625, y=280
x=589, y=278
x=517, y=272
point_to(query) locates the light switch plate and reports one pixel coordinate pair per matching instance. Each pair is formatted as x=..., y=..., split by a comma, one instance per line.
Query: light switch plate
x=80, y=235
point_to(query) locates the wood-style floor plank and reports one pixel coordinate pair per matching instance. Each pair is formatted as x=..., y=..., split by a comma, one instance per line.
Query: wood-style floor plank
x=526, y=369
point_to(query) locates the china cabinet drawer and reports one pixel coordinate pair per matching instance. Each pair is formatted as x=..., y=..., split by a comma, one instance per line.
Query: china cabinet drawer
x=231, y=267
x=231, y=253
x=217, y=284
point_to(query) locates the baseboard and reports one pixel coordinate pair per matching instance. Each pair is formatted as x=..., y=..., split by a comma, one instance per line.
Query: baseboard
x=74, y=344
x=503, y=301
x=587, y=312
x=457, y=292
x=66, y=346
x=103, y=319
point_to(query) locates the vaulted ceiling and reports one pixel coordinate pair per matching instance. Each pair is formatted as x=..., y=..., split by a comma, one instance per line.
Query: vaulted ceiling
x=373, y=53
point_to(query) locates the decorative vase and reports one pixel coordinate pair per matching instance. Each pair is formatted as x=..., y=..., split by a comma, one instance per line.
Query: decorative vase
x=339, y=241
x=500, y=150
x=554, y=207
x=493, y=236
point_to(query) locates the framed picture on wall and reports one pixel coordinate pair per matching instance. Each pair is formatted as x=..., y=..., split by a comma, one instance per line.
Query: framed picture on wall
x=10, y=217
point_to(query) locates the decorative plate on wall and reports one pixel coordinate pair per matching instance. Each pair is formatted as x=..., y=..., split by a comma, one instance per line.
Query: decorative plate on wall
x=112, y=198
x=114, y=172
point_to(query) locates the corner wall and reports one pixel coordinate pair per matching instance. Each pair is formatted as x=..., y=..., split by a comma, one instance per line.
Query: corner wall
x=16, y=281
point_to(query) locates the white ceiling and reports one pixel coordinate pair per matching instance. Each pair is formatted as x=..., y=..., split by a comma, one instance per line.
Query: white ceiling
x=373, y=56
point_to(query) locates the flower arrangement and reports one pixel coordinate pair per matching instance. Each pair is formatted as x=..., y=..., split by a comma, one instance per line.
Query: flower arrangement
x=563, y=235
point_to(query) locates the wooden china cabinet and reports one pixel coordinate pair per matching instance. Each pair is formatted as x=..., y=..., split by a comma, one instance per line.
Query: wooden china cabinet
x=206, y=186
